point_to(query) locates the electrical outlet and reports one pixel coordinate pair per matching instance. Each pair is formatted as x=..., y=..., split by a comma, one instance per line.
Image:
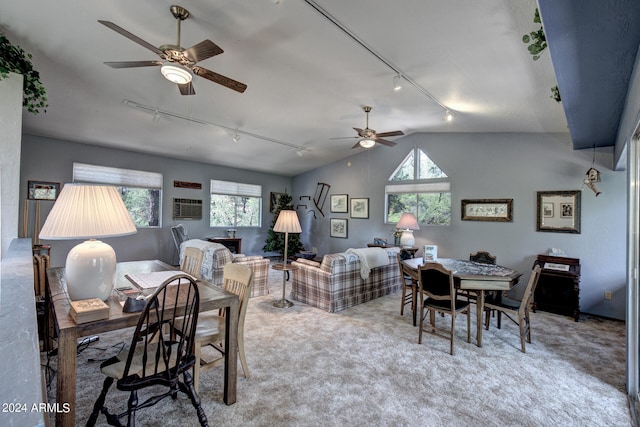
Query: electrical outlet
x=607, y=294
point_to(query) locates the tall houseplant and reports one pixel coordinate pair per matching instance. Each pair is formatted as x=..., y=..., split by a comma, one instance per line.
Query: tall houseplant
x=15, y=59
x=275, y=241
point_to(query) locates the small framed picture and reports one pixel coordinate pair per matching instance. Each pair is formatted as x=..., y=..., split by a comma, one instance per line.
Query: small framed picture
x=339, y=203
x=360, y=208
x=558, y=211
x=339, y=228
x=40, y=190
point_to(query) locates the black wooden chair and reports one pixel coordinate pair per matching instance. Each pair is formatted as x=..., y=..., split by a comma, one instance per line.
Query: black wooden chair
x=409, y=286
x=438, y=293
x=161, y=352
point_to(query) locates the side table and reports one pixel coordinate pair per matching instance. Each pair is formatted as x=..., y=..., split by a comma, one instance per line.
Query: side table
x=411, y=251
x=283, y=303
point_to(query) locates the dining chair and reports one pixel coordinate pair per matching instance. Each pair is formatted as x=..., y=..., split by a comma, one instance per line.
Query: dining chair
x=483, y=257
x=438, y=294
x=192, y=261
x=238, y=279
x=160, y=354
x=515, y=309
x=409, y=286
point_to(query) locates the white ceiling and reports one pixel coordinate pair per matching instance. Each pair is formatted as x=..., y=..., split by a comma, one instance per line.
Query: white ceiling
x=307, y=80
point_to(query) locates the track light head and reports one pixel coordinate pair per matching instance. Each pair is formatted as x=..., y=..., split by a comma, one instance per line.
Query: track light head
x=397, y=82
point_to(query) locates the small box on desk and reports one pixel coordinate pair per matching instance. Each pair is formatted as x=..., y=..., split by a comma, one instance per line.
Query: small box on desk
x=88, y=310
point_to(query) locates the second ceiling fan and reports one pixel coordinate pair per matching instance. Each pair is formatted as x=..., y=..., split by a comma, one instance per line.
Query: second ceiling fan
x=178, y=64
x=370, y=137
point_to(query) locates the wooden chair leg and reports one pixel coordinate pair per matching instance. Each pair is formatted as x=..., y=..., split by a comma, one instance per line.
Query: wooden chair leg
x=243, y=358
x=97, y=407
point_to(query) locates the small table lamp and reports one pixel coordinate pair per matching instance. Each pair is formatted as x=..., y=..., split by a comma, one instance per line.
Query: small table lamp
x=286, y=223
x=407, y=223
x=84, y=211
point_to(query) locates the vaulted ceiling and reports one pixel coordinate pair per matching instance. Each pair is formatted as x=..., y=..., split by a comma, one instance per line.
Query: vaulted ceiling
x=310, y=66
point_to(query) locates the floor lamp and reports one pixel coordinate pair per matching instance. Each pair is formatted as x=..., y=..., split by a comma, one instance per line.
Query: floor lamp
x=84, y=211
x=286, y=223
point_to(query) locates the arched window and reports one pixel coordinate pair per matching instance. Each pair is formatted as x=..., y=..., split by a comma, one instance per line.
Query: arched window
x=419, y=186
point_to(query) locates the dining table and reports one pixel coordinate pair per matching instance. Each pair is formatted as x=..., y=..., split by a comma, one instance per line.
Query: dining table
x=472, y=276
x=211, y=297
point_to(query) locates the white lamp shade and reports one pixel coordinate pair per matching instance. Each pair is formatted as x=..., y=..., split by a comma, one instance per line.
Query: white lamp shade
x=287, y=222
x=408, y=222
x=84, y=211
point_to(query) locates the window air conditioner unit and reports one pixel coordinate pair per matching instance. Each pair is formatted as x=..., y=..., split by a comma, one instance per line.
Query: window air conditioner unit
x=187, y=209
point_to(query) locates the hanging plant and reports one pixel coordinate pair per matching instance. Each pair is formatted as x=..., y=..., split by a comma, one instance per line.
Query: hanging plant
x=536, y=39
x=555, y=94
x=14, y=59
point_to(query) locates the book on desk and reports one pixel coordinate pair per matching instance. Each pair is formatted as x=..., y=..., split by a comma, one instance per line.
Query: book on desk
x=88, y=310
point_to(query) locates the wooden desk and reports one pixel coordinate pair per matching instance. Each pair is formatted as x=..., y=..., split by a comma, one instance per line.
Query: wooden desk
x=473, y=276
x=211, y=297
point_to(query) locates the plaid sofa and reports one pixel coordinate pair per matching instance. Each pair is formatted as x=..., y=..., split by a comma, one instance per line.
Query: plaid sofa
x=336, y=283
x=217, y=255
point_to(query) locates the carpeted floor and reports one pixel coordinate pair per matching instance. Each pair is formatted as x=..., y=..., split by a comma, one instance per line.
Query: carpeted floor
x=363, y=366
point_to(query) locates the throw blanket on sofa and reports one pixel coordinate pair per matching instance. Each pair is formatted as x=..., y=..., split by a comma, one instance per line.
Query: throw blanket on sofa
x=370, y=258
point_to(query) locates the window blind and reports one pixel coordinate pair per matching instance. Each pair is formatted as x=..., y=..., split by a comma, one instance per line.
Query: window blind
x=423, y=187
x=235, y=188
x=116, y=176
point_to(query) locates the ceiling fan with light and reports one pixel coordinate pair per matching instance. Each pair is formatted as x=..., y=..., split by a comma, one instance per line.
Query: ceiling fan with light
x=177, y=64
x=369, y=137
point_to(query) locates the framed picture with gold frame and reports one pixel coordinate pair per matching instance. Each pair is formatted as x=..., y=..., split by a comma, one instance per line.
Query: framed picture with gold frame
x=499, y=210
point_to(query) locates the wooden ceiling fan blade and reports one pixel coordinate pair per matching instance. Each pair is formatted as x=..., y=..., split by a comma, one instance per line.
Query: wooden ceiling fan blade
x=131, y=37
x=220, y=79
x=360, y=131
x=393, y=133
x=203, y=50
x=187, y=89
x=133, y=64
x=385, y=142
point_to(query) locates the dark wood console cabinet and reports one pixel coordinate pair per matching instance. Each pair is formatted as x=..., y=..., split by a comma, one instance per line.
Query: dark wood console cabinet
x=558, y=289
x=233, y=244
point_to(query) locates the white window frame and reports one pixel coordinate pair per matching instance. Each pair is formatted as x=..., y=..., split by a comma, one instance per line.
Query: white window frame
x=119, y=177
x=232, y=188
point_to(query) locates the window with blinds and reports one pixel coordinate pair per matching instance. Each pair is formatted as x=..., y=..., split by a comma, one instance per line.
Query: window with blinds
x=235, y=204
x=420, y=187
x=141, y=191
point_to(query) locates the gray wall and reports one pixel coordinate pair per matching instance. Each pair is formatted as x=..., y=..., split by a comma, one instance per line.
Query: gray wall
x=47, y=159
x=491, y=166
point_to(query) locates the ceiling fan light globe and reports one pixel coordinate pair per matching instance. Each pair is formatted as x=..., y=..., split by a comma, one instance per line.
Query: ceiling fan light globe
x=176, y=73
x=367, y=143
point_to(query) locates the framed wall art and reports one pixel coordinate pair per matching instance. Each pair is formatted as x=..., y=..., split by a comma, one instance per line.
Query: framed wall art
x=40, y=190
x=339, y=203
x=499, y=210
x=274, y=199
x=360, y=208
x=558, y=211
x=339, y=228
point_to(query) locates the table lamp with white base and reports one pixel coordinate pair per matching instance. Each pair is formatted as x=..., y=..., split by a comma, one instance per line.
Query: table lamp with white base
x=88, y=211
x=407, y=224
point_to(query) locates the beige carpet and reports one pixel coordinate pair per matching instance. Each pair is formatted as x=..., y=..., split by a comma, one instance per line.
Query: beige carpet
x=363, y=367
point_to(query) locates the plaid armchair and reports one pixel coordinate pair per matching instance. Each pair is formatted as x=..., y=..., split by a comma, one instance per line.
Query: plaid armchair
x=216, y=256
x=336, y=283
